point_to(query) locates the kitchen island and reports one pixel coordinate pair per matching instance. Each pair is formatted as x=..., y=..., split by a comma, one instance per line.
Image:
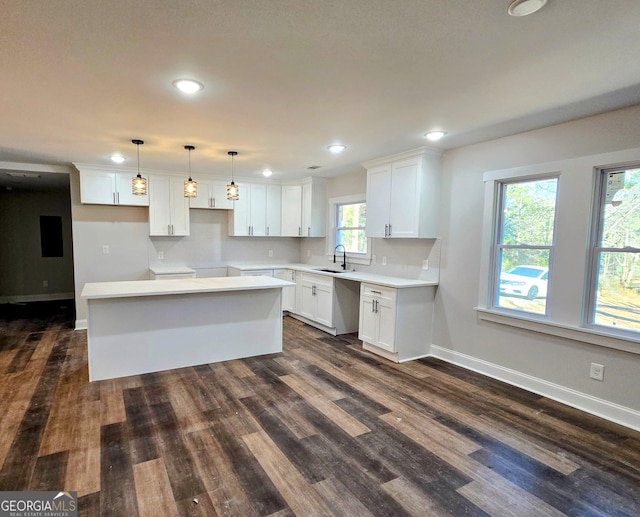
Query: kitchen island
x=147, y=326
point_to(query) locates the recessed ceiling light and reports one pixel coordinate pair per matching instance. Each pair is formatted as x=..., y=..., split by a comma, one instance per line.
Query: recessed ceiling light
x=337, y=148
x=434, y=136
x=117, y=159
x=525, y=7
x=266, y=173
x=188, y=85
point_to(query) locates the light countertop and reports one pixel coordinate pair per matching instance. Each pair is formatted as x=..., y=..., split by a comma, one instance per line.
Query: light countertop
x=171, y=270
x=98, y=290
x=357, y=276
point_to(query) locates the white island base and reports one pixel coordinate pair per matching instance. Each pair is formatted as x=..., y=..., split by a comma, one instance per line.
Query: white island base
x=137, y=328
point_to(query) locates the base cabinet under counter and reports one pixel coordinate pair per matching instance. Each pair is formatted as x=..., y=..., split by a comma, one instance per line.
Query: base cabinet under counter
x=396, y=323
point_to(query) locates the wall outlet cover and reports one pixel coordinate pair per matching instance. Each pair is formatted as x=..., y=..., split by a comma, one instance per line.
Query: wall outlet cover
x=105, y=249
x=597, y=371
x=425, y=265
x=384, y=260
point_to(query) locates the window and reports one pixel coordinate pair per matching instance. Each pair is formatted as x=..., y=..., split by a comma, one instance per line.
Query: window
x=614, y=300
x=523, y=248
x=351, y=220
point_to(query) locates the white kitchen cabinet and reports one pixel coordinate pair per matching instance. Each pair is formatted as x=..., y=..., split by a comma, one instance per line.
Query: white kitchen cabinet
x=103, y=187
x=288, y=293
x=315, y=298
x=212, y=195
x=396, y=323
x=402, y=195
x=291, y=211
x=168, y=208
x=304, y=208
x=257, y=211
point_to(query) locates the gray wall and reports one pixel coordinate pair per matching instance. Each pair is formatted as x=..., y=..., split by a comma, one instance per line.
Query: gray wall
x=555, y=360
x=21, y=262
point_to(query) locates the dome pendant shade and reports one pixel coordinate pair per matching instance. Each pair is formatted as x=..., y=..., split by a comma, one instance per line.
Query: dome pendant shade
x=138, y=183
x=190, y=186
x=233, y=191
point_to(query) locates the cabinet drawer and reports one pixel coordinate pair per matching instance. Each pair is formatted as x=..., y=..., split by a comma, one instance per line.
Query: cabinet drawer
x=377, y=291
x=326, y=281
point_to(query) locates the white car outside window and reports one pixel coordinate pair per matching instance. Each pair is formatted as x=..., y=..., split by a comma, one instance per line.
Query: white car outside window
x=527, y=281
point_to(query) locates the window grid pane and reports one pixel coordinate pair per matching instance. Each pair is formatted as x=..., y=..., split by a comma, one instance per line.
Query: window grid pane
x=350, y=227
x=526, y=222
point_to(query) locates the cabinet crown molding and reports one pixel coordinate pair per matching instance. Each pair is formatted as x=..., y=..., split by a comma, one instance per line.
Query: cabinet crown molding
x=420, y=151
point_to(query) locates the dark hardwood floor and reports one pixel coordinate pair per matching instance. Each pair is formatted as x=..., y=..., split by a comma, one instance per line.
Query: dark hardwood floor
x=320, y=429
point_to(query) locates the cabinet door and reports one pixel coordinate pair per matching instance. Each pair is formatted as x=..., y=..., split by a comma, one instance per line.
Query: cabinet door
x=291, y=211
x=307, y=301
x=324, y=305
x=404, y=212
x=386, y=312
x=124, y=195
x=97, y=187
x=288, y=293
x=203, y=199
x=179, y=207
x=368, y=319
x=159, y=205
x=258, y=210
x=274, y=209
x=239, y=219
x=218, y=194
x=378, y=200
x=307, y=200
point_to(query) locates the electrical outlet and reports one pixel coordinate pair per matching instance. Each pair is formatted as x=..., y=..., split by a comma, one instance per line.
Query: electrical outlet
x=384, y=260
x=105, y=249
x=597, y=371
x=373, y=259
x=425, y=265
x=161, y=255
x=45, y=283
x=308, y=253
x=271, y=253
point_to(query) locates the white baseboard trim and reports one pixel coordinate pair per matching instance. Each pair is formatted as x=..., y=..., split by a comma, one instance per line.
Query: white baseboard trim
x=81, y=325
x=46, y=297
x=599, y=407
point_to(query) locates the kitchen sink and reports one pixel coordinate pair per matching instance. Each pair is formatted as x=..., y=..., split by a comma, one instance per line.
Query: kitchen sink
x=329, y=270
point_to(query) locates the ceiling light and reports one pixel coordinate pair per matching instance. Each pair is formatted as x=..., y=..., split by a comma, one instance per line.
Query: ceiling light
x=267, y=173
x=525, y=7
x=117, y=159
x=188, y=85
x=190, y=186
x=138, y=183
x=434, y=136
x=233, y=192
x=337, y=148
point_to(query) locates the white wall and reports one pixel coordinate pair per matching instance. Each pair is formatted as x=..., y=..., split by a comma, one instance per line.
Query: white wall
x=21, y=262
x=560, y=362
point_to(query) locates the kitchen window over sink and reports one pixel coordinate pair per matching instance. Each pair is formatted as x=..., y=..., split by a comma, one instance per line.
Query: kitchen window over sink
x=348, y=222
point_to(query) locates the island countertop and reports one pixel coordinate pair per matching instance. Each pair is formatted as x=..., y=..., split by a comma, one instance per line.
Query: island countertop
x=133, y=288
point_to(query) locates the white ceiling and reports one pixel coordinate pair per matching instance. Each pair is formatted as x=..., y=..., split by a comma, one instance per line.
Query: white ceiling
x=285, y=78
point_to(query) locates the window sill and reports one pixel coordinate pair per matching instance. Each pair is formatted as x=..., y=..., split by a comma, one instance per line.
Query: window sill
x=593, y=337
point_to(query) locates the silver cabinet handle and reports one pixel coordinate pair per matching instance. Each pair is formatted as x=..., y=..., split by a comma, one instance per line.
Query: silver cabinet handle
x=168, y=229
x=118, y=197
x=114, y=198
x=376, y=292
x=386, y=230
x=373, y=306
x=309, y=231
x=213, y=202
x=299, y=231
x=267, y=231
x=377, y=304
x=313, y=290
x=390, y=230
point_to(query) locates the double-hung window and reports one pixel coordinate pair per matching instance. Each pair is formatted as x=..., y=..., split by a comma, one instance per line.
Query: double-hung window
x=351, y=221
x=523, y=245
x=614, y=300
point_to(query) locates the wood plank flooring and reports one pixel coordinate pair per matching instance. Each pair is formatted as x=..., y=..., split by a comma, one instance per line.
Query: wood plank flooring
x=320, y=429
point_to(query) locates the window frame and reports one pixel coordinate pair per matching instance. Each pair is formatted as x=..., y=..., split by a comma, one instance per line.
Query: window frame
x=354, y=258
x=595, y=249
x=497, y=246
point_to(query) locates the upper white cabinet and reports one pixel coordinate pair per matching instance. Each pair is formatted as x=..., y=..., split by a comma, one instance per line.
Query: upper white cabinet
x=257, y=211
x=168, y=208
x=304, y=208
x=402, y=195
x=211, y=195
x=101, y=187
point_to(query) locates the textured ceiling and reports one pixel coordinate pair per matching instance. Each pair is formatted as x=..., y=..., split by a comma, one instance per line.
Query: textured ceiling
x=284, y=79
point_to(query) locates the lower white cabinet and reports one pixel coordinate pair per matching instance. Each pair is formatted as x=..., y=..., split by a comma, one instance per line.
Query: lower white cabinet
x=288, y=293
x=314, y=295
x=396, y=323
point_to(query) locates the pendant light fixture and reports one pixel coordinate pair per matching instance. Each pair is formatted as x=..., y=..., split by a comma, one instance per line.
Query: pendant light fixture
x=190, y=186
x=233, y=192
x=138, y=183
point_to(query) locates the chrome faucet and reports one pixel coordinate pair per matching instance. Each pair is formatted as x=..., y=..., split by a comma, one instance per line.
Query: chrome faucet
x=344, y=256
